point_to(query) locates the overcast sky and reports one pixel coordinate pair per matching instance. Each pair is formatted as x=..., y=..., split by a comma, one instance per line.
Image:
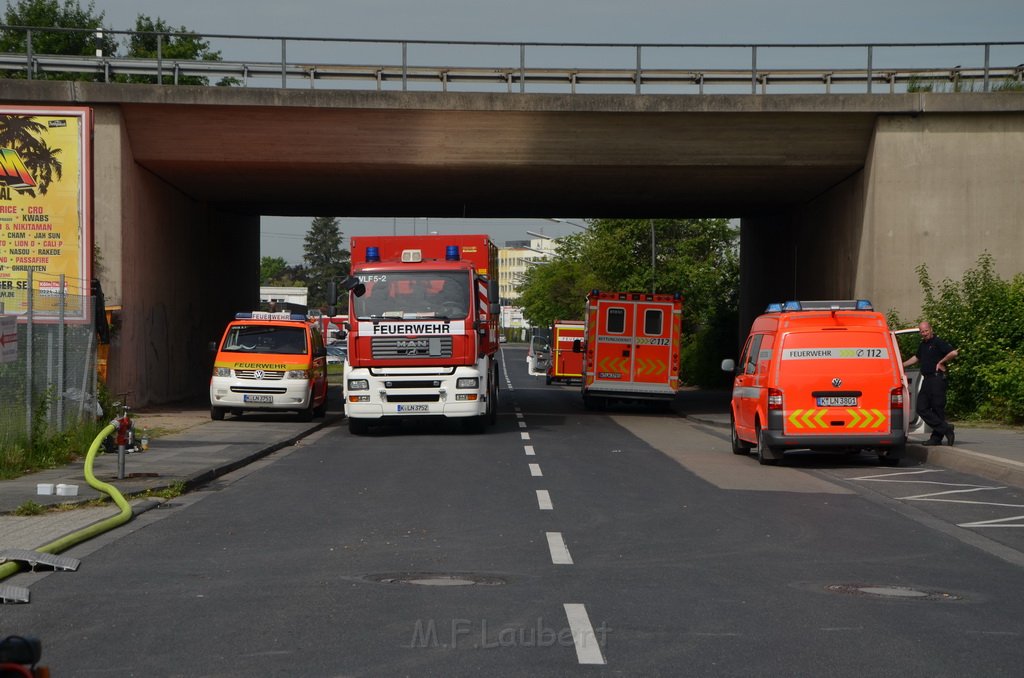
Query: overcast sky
x=564, y=21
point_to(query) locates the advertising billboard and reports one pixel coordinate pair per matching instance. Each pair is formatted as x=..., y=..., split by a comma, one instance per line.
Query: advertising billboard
x=45, y=210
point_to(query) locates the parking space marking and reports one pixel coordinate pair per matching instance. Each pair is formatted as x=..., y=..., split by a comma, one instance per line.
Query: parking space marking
x=559, y=551
x=535, y=470
x=544, y=500
x=944, y=496
x=588, y=649
x=997, y=522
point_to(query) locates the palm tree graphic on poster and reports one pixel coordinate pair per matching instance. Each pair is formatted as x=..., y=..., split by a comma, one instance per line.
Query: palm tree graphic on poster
x=22, y=134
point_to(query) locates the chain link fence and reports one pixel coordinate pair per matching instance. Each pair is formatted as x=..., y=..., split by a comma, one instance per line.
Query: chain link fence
x=48, y=354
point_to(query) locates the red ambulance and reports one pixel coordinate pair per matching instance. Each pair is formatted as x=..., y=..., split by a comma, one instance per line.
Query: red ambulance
x=631, y=347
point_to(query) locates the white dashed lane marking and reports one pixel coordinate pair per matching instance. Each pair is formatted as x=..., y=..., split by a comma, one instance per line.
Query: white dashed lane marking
x=559, y=551
x=529, y=450
x=544, y=500
x=588, y=650
x=535, y=470
x=524, y=435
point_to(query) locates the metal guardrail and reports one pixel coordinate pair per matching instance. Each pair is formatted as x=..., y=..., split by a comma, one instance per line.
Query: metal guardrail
x=867, y=74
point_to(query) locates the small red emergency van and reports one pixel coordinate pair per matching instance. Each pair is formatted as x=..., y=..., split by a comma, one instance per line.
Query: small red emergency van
x=819, y=374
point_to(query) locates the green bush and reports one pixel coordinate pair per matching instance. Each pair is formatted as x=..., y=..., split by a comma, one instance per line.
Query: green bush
x=983, y=317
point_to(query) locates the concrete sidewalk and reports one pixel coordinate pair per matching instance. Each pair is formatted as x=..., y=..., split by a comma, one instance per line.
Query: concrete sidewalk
x=207, y=449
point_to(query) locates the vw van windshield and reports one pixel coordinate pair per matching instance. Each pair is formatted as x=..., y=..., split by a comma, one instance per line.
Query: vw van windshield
x=265, y=339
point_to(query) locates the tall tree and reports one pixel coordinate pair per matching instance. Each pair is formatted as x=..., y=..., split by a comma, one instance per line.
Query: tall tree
x=175, y=44
x=325, y=258
x=50, y=14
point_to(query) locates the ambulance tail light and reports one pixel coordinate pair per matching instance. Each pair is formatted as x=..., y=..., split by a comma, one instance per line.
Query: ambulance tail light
x=774, y=399
x=896, y=398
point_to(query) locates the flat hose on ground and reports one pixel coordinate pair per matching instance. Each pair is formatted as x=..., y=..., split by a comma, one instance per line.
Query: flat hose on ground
x=67, y=541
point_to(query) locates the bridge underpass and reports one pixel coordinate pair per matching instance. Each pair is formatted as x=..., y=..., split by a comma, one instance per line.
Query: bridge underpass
x=838, y=195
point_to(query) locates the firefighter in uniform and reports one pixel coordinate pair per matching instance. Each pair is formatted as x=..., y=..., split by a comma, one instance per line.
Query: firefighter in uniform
x=933, y=353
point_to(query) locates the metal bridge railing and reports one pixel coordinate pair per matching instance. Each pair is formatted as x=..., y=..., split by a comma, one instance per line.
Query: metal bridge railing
x=543, y=67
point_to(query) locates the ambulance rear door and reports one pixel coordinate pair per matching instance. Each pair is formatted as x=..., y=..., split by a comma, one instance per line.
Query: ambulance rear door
x=655, y=327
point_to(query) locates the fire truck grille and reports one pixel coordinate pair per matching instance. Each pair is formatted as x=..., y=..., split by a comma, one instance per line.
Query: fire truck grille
x=267, y=375
x=413, y=398
x=412, y=347
x=419, y=383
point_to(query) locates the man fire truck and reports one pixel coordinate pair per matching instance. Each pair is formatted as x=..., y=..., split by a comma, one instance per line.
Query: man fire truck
x=631, y=347
x=423, y=329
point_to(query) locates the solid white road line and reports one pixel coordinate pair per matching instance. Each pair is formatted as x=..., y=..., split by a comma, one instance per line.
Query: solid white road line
x=544, y=500
x=529, y=450
x=588, y=650
x=535, y=470
x=559, y=551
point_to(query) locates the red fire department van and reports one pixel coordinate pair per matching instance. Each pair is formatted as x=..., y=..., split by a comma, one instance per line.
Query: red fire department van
x=819, y=374
x=631, y=347
x=566, y=365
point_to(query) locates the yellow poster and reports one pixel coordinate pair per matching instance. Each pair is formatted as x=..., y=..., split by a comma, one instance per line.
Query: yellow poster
x=45, y=221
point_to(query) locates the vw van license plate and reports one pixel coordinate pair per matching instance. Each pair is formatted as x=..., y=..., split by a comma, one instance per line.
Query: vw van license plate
x=413, y=408
x=251, y=398
x=837, y=401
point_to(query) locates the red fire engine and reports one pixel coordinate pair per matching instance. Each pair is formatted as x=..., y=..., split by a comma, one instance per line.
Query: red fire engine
x=423, y=329
x=631, y=347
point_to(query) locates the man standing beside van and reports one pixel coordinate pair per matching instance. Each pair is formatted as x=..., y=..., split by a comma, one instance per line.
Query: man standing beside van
x=933, y=353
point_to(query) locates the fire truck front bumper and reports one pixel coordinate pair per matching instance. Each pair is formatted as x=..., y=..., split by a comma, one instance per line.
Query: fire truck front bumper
x=454, y=396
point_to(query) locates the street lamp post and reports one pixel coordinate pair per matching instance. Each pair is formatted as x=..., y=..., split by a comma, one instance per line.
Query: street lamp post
x=653, y=250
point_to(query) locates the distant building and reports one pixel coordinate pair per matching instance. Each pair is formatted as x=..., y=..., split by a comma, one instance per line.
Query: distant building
x=284, y=298
x=514, y=259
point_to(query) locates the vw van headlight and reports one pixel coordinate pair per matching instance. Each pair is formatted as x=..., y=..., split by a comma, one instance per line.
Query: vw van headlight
x=222, y=371
x=296, y=374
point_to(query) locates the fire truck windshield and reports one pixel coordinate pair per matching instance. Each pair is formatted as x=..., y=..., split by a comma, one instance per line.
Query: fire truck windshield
x=414, y=294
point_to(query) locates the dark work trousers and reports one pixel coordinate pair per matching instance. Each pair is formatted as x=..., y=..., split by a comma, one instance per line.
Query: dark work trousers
x=931, y=405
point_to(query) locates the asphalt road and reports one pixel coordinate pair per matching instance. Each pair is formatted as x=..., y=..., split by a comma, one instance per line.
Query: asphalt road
x=562, y=542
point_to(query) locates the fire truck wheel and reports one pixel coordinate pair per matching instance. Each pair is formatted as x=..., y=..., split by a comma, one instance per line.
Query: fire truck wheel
x=738, y=446
x=492, y=407
x=358, y=427
x=217, y=413
x=765, y=453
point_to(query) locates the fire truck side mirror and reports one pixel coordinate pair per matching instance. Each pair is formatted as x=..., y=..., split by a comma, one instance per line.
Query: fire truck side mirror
x=332, y=295
x=577, y=346
x=493, y=297
x=354, y=285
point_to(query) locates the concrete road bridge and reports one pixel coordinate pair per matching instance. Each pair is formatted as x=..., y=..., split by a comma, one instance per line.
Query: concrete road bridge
x=838, y=195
